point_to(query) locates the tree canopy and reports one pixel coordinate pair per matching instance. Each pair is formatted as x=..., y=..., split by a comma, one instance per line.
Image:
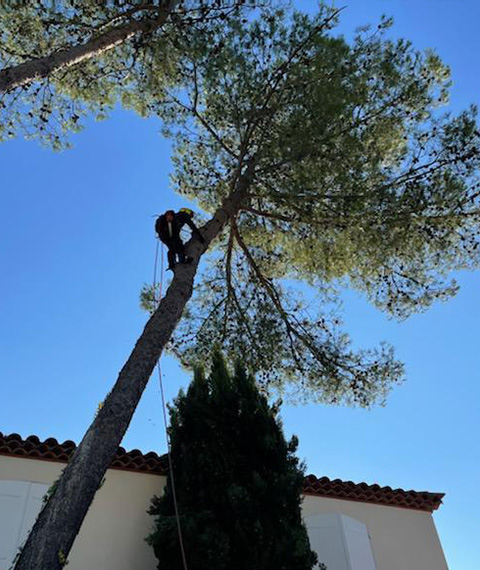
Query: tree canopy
x=358, y=180
x=60, y=61
x=238, y=482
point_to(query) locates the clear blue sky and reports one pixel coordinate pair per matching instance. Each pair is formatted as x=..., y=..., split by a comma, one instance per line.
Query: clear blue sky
x=77, y=243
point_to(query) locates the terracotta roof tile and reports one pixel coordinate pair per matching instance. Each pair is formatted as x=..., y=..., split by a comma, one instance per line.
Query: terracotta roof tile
x=52, y=450
x=135, y=460
x=350, y=491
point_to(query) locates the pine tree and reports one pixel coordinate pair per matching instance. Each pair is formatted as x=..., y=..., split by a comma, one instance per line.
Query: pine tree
x=238, y=482
x=320, y=162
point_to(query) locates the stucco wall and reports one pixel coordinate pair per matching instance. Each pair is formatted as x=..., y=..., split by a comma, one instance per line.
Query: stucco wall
x=112, y=536
x=402, y=539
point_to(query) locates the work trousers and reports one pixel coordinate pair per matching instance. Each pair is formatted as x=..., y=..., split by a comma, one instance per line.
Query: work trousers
x=175, y=247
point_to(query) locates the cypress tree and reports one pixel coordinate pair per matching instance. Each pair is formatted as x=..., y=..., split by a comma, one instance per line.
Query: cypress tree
x=238, y=482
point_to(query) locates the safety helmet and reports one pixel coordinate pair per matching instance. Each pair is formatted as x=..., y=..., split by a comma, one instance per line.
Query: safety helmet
x=187, y=211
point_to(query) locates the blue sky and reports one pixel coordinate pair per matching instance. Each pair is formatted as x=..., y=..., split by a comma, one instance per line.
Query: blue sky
x=77, y=244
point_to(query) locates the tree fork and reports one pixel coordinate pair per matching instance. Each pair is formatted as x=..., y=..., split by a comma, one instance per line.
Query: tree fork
x=59, y=522
x=35, y=69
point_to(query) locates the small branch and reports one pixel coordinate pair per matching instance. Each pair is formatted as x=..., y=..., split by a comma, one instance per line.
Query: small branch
x=272, y=294
x=205, y=124
x=228, y=273
x=270, y=215
x=231, y=290
x=207, y=318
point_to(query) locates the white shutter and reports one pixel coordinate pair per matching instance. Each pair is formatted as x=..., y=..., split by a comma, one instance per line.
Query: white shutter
x=33, y=507
x=341, y=543
x=20, y=503
x=326, y=539
x=13, y=498
x=358, y=544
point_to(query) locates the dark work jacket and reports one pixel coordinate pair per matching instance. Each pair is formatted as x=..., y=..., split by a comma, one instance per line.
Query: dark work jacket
x=179, y=220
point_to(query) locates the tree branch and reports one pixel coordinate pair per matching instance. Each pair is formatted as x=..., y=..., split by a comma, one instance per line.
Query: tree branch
x=36, y=69
x=272, y=294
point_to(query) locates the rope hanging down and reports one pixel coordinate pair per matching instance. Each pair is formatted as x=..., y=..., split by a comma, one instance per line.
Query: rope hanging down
x=164, y=407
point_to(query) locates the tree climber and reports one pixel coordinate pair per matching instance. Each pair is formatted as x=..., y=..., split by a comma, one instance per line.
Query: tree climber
x=168, y=227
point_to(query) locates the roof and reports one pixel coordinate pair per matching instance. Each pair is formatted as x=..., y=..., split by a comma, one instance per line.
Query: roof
x=51, y=450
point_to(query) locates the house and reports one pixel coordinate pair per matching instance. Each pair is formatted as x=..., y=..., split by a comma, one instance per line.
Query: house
x=351, y=526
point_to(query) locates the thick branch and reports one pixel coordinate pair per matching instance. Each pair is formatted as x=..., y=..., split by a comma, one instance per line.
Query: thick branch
x=36, y=69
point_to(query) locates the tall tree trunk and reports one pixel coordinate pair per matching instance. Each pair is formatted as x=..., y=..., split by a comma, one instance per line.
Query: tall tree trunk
x=35, y=69
x=57, y=525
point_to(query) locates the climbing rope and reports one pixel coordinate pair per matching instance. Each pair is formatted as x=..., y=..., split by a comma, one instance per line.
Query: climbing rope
x=155, y=276
x=164, y=407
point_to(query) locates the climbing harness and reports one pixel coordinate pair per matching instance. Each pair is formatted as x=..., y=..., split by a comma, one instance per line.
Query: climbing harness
x=164, y=407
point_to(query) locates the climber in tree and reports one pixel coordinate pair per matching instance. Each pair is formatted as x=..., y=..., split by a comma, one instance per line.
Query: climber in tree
x=168, y=227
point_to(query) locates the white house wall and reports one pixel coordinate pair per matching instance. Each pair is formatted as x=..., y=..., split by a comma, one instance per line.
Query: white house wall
x=113, y=533
x=402, y=539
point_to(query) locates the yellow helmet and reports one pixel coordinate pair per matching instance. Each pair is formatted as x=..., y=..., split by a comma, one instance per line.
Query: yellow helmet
x=187, y=211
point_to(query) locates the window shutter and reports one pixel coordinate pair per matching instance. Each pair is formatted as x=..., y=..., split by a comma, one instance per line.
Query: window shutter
x=33, y=507
x=20, y=503
x=341, y=542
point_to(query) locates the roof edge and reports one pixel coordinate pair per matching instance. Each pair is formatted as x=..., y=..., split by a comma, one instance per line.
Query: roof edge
x=51, y=450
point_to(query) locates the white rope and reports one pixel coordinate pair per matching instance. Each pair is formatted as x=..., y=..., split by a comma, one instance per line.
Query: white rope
x=164, y=407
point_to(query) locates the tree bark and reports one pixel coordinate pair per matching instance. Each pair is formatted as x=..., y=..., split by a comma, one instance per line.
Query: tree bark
x=35, y=69
x=57, y=525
